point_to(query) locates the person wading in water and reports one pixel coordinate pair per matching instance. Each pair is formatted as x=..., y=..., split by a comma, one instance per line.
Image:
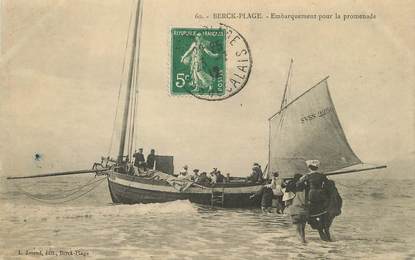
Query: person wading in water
x=322, y=199
x=298, y=208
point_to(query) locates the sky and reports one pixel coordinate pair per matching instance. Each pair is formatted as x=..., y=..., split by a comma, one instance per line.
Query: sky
x=61, y=67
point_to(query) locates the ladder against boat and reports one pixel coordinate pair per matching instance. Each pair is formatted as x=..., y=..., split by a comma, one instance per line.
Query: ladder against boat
x=218, y=197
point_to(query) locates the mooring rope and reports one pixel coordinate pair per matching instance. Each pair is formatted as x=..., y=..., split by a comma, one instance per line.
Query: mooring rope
x=63, y=196
x=80, y=187
x=59, y=200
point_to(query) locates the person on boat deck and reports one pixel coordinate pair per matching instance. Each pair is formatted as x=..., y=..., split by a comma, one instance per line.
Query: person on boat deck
x=139, y=158
x=184, y=172
x=277, y=191
x=260, y=173
x=193, y=176
x=266, y=195
x=219, y=177
x=130, y=168
x=203, y=179
x=183, y=175
x=151, y=158
x=256, y=175
x=228, y=177
x=317, y=199
x=190, y=175
x=212, y=176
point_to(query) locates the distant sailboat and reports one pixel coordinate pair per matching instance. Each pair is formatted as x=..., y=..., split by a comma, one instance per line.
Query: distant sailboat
x=308, y=128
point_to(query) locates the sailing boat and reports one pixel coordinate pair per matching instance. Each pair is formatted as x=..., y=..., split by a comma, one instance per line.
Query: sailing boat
x=307, y=127
x=130, y=185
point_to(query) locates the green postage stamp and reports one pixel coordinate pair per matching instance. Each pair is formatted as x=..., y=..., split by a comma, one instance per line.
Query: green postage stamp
x=198, y=61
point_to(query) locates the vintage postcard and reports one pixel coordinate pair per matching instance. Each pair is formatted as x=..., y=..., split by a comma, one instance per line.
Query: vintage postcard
x=143, y=129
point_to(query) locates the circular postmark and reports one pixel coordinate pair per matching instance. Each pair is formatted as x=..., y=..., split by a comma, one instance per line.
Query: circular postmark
x=216, y=63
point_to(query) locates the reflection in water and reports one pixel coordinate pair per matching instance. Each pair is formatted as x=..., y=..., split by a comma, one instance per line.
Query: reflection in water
x=371, y=226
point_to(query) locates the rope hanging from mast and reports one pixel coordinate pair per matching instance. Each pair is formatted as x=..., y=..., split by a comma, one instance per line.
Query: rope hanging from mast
x=133, y=111
x=134, y=91
x=286, y=92
x=121, y=81
x=284, y=96
x=283, y=104
x=126, y=122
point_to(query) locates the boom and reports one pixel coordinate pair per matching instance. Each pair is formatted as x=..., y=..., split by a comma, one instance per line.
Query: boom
x=58, y=174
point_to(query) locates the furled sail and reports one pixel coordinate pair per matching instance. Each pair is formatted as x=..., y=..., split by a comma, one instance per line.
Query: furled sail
x=308, y=128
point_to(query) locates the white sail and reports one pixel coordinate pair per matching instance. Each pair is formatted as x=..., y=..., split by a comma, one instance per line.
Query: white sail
x=308, y=128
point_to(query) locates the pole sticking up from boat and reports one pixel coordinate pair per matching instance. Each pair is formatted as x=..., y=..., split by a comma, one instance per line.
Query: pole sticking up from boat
x=132, y=71
x=129, y=84
x=284, y=96
x=283, y=103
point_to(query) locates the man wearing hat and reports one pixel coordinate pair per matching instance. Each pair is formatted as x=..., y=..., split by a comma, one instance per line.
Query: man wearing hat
x=151, y=159
x=138, y=158
x=203, y=179
x=256, y=175
x=258, y=169
x=195, y=175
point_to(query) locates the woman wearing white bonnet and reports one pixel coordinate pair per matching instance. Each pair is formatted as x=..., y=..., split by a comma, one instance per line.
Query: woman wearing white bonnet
x=318, y=199
x=313, y=165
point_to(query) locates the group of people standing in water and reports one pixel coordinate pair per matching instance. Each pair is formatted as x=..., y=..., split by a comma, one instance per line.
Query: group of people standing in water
x=310, y=198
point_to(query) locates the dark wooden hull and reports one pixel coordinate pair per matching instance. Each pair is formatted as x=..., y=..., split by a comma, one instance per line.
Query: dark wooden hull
x=126, y=189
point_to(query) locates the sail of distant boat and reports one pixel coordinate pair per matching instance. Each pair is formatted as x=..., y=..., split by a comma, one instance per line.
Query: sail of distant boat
x=308, y=128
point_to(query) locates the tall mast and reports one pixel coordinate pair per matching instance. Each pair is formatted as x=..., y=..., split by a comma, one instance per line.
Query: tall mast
x=284, y=96
x=283, y=103
x=129, y=84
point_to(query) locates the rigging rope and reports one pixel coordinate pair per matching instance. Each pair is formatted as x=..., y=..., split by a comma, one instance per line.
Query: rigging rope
x=133, y=104
x=77, y=188
x=132, y=114
x=58, y=200
x=286, y=94
x=134, y=109
x=121, y=82
x=138, y=66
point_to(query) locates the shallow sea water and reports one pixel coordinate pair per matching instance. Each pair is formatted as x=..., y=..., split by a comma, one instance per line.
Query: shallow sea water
x=376, y=223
